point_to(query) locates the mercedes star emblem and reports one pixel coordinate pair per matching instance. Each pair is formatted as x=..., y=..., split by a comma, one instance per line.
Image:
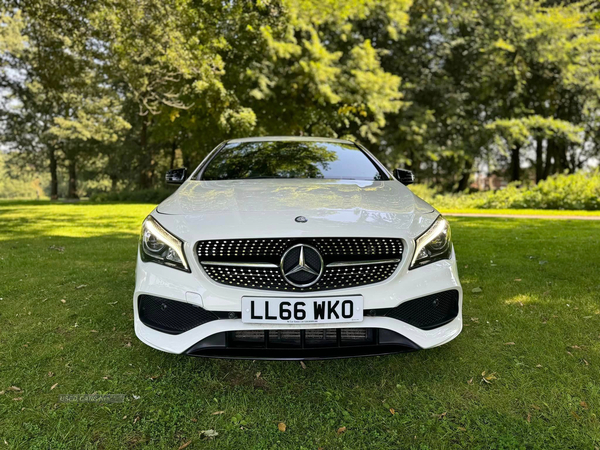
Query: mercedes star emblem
x=302, y=265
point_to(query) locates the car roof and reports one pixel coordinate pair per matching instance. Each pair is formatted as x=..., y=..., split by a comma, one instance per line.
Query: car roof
x=288, y=138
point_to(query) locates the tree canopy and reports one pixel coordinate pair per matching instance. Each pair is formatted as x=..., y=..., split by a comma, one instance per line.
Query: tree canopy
x=112, y=93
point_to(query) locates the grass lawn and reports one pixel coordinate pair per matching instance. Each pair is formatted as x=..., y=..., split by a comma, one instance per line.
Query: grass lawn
x=521, y=212
x=525, y=372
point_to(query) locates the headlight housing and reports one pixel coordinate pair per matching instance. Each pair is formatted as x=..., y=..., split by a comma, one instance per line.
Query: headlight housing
x=159, y=246
x=433, y=245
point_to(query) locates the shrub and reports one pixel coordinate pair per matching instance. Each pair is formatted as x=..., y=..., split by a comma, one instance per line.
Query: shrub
x=139, y=196
x=580, y=191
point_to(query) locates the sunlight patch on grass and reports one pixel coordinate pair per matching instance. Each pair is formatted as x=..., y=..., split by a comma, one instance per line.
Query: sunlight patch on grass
x=519, y=212
x=521, y=299
x=70, y=220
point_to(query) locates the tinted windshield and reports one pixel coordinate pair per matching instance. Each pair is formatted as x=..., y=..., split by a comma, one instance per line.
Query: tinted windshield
x=291, y=159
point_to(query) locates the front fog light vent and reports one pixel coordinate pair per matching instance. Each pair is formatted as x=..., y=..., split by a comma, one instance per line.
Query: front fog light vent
x=170, y=316
x=428, y=312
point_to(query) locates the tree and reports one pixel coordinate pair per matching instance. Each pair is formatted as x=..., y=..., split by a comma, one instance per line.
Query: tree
x=55, y=98
x=315, y=72
x=552, y=54
x=470, y=68
x=200, y=74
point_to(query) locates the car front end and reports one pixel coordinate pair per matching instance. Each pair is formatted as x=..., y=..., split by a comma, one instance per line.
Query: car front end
x=295, y=268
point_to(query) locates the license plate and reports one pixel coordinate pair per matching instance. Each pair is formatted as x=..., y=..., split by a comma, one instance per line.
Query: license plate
x=302, y=310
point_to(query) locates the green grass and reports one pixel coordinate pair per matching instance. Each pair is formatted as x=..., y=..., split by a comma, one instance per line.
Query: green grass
x=520, y=212
x=544, y=392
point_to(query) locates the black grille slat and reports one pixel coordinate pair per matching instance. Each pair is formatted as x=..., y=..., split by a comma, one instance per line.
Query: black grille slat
x=285, y=338
x=170, y=316
x=320, y=337
x=429, y=312
x=332, y=250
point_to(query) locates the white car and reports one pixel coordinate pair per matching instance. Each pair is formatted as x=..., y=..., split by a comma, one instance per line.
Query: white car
x=295, y=248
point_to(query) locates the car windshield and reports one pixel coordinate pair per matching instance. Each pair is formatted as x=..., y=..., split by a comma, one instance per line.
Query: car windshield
x=291, y=159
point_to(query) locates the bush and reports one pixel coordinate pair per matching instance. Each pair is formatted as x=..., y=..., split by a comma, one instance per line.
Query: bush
x=580, y=191
x=139, y=196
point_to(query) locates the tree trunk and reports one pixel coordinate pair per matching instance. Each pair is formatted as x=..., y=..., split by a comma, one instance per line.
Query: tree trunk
x=539, y=161
x=186, y=160
x=113, y=182
x=147, y=163
x=516, y=163
x=564, y=158
x=72, y=180
x=53, y=174
x=550, y=146
x=463, y=183
x=173, y=150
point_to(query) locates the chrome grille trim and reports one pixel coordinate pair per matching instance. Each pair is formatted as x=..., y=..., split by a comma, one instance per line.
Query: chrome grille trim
x=255, y=263
x=239, y=264
x=362, y=263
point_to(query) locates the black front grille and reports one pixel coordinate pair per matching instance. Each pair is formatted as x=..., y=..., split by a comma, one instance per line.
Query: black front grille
x=291, y=338
x=170, y=316
x=348, y=262
x=294, y=344
x=428, y=312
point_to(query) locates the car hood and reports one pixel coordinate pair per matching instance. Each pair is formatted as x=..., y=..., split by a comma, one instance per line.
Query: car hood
x=268, y=208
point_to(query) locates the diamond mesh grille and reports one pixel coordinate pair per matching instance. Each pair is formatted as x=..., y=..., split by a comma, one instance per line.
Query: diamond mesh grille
x=270, y=250
x=332, y=250
x=271, y=279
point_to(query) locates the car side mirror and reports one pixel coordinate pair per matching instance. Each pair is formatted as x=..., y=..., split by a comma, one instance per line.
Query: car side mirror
x=404, y=176
x=176, y=176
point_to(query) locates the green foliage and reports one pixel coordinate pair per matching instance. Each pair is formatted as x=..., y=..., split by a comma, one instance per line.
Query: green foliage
x=20, y=184
x=11, y=38
x=317, y=72
x=579, y=191
x=127, y=89
x=519, y=131
x=94, y=118
x=154, y=196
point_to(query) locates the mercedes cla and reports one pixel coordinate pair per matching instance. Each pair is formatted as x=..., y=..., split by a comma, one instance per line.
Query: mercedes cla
x=295, y=248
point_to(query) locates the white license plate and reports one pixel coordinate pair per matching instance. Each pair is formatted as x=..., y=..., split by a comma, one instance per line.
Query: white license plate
x=302, y=310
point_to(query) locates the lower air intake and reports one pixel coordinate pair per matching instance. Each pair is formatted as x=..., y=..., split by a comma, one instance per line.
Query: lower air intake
x=293, y=344
x=170, y=316
x=428, y=312
x=328, y=337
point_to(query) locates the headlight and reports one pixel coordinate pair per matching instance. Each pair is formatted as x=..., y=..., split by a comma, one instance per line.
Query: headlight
x=433, y=245
x=159, y=246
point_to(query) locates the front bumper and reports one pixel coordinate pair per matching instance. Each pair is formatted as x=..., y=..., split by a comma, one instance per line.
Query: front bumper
x=210, y=339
